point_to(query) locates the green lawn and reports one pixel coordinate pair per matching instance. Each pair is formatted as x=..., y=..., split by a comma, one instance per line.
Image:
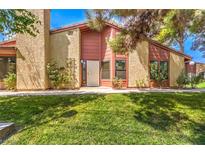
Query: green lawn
x=201, y=85
x=151, y=118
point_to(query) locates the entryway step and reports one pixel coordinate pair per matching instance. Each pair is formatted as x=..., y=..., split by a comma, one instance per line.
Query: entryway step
x=6, y=129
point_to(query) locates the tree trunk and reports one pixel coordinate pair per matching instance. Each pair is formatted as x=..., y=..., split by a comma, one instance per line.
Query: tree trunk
x=181, y=45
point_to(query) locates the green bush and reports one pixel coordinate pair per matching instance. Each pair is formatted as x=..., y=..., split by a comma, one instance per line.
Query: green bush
x=182, y=80
x=194, y=80
x=10, y=81
x=53, y=74
x=117, y=83
x=117, y=44
x=63, y=77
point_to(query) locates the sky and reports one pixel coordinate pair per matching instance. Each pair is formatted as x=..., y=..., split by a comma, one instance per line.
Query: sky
x=60, y=18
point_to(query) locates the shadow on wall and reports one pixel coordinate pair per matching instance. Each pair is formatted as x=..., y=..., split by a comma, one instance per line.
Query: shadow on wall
x=176, y=66
x=28, y=74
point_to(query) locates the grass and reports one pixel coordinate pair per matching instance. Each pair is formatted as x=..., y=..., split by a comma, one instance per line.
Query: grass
x=201, y=85
x=148, y=118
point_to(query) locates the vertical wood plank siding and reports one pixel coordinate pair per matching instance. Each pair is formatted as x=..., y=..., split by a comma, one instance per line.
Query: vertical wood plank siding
x=158, y=54
x=94, y=46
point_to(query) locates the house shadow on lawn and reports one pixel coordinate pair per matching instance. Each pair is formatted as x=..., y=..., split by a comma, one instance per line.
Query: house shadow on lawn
x=162, y=112
x=31, y=111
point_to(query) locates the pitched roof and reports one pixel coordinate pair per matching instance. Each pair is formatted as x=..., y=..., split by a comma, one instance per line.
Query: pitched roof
x=8, y=43
x=81, y=26
x=84, y=25
x=170, y=49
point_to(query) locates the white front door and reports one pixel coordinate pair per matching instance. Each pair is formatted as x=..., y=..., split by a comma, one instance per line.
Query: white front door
x=92, y=73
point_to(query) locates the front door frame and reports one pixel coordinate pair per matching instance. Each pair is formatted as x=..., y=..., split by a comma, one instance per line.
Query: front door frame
x=87, y=78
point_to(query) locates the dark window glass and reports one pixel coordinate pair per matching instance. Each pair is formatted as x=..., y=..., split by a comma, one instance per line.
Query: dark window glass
x=164, y=70
x=154, y=72
x=106, y=70
x=83, y=72
x=7, y=64
x=120, y=69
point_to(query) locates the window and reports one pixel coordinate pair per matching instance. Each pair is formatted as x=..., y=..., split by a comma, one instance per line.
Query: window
x=154, y=70
x=164, y=70
x=106, y=70
x=158, y=70
x=7, y=64
x=120, y=69
x=83, y=64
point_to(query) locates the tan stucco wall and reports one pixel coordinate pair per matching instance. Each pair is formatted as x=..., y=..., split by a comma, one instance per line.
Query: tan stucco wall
x=65, y=45
x=176, y=66
x=139, y=65
x=32, y=55
x=200, y=68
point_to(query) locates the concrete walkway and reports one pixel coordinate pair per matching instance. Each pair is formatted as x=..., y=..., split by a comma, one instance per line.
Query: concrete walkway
x=95, y=90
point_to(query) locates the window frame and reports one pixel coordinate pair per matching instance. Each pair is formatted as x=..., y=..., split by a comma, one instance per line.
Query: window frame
x=125, y=69
x=150, y=68
x=159, y=68
x=167, y=68
x=105, y=61
x=9, y=60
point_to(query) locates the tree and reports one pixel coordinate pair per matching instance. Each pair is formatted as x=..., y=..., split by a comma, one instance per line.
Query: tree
x=178, y=25
x=171, y=27
x=137, y=25
x=18, y=21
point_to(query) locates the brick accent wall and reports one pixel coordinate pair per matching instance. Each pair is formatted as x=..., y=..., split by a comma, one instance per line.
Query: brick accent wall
x=32, y=55
x=176, y=66
x=65, y=45
x=139, y=65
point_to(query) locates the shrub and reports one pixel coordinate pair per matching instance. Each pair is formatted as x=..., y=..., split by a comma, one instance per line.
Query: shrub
x=182, y=80
x=117, y=83
x=68, y=75
x=53, y=74
x=194, y=80
x=140, y=83
x=117, y=44
x=10, y=81
x=63, y=77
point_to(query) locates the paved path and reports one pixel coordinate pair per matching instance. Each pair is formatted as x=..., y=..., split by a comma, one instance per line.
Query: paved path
x=94, y=90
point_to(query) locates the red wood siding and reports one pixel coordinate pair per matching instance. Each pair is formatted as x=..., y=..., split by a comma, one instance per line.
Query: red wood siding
x=106, y=51
x=8, y=43
x=158, y=54
x=7, y=51
x=190, y=68
x=91, y=45
x=94, y=46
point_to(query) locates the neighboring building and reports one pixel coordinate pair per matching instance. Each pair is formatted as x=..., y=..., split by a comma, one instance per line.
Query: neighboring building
x=195, y=68
x=96, y=64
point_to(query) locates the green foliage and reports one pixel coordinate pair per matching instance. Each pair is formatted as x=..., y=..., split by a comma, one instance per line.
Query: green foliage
x=154, y=72
x=63, y=77
x=111, y=119
x=178, y=25
x=53, y=74
x=117, y=83
x=182, y=80
x=10, y=81
x=186, y=80
x=118, y=43
x=140, y=83
x=18, y=21
x=194, y=80
x=97, y=18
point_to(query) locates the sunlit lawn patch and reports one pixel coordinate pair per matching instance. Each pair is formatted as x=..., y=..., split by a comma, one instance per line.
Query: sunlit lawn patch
x=148, y=118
